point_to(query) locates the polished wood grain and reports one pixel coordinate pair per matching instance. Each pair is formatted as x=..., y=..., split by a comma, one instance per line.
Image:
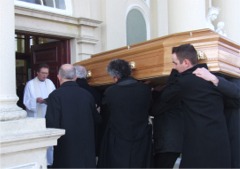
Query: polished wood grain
x=153, y=58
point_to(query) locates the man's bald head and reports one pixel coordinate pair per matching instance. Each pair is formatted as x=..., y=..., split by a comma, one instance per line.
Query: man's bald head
x=67, y=72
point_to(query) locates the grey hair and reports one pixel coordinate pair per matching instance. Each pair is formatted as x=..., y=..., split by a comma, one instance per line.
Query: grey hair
x=67, y=71
x=81, y=72
x=119, y=68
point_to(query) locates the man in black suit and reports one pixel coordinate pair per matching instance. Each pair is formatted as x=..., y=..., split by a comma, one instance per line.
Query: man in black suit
x=206, y=143
x=229, y=88
x=167, y=125
x=71, y=108
x=127, y=139
x=81, y=80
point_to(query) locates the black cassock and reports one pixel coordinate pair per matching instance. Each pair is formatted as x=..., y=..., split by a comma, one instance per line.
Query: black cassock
x=127, y=139
x=71, y=108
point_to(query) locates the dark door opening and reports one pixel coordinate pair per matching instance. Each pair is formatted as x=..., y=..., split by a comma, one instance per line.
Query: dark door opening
x=31, y=50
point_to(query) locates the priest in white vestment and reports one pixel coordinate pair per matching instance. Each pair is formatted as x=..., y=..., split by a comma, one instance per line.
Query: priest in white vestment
x=36, y=90
x=35, y=94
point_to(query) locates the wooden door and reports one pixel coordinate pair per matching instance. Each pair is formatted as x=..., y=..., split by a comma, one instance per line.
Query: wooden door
x=54, y=54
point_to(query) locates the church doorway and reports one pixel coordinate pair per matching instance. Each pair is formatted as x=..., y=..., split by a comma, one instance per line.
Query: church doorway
x=33, y=49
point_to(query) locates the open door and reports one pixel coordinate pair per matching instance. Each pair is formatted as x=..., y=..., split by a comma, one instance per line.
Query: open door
x=54, y=54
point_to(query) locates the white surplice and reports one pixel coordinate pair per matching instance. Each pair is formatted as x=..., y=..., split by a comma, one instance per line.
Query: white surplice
x=34, y=89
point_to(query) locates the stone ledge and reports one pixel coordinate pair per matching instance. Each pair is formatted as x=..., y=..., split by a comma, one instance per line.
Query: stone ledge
x=25, y=125
x=26, y=141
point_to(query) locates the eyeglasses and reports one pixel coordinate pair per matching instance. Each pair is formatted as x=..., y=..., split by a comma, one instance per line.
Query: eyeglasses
x=44, y=73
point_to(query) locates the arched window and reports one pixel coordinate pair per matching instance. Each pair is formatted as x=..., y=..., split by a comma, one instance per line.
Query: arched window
x=136, y=27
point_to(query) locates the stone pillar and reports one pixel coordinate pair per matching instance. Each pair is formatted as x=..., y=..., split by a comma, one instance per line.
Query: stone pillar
x=229, y=14
x=185, y=15
x=23, y=141
x=8, y=98
x=87, y=38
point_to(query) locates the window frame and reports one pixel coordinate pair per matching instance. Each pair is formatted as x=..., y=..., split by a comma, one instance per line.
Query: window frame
x=67, y=11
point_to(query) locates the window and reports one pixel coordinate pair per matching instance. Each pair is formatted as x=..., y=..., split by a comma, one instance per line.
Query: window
x=56, y=6
x=32, y=1
x=59, y=4
x=136, y=27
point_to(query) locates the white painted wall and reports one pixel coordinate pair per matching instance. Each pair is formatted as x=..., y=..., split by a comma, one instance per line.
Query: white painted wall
x=229, y=14
x=185, y=15
x=159, y=18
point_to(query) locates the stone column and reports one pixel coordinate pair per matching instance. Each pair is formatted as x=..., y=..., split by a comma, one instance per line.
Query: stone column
x=229, y=14
x=23, y=141
x=185, y=15
x=8, y=98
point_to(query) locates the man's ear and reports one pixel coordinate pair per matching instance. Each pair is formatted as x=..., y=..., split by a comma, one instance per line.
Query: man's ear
x=58, y=77
x=187, y=62
x=115, y=79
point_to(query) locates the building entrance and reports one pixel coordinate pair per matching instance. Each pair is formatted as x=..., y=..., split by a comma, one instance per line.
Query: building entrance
x=31, y=50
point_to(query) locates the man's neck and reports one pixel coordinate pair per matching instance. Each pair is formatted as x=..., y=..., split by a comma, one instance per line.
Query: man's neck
x=40, y=80
x=65, y=80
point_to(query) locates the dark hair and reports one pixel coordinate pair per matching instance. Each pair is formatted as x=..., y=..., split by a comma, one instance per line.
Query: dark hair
x=42, y=65
x=119, y=68
x=186, y=51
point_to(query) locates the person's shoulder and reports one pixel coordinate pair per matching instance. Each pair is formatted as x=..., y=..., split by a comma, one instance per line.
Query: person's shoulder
x=143, y=85
x=29, y=82
x=111, y=88
x=189, y=77
x=49, y=81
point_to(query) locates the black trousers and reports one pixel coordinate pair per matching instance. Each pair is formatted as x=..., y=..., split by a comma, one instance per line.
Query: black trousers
x=165, y=160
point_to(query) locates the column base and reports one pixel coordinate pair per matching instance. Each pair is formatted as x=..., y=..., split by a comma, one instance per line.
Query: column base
x=24, y=143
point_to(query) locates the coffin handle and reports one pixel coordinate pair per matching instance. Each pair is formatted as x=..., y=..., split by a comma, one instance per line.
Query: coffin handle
x=89, y=73
x=201, y=55
x=132, y=64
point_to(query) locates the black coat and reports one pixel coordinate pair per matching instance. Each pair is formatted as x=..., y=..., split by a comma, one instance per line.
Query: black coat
x=206, y=143
x=71, y=108
x=97, y=95
x=232, y=113
x=82, y=82
x=168, y=120
x=127, y=139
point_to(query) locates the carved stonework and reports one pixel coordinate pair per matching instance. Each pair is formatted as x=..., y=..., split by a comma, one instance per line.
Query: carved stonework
x=212, y=16
x=220, y=29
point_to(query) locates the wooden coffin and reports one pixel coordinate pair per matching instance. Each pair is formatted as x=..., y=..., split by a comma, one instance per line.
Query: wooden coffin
x=151, y=60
